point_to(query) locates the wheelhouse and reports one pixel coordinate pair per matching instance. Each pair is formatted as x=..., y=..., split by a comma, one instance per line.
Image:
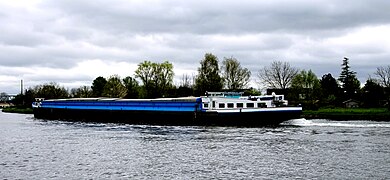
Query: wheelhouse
x=234, y=100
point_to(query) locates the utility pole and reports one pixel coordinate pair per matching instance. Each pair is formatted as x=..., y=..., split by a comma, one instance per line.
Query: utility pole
x=21, y=91
x=21, y=86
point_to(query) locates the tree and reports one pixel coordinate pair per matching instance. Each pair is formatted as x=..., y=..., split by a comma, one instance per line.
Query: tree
x=3, y=97
x=132, y=87
x=163, y=77
x=252, y=92
x=349, y=82
x=373, y=94
x=81, y=92
x=98, y=86
x=306, y=87
x=235, y=76
x=329, y=85
x=383, y=77
x=26, y=99
x=114, y=87
x=186, y=86
x=305, y=80
x=330, y=89
x=157, y=78
x=186, y=81
x=50, y=91
x=279, y=75
x=208, y=78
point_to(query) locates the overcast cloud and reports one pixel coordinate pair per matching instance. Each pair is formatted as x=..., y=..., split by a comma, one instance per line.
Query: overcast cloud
x=73, y=42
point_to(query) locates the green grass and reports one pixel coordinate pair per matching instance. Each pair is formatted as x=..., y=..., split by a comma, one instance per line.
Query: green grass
x=382, y=114
x=349, y=110
x=21, y=110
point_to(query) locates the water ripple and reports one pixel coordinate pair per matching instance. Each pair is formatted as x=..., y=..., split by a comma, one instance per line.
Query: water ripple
x=298, y=149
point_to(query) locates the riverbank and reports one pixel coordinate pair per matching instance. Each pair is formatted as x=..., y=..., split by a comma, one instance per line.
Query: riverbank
x=342, y=114
x=20, y=110
x=375, y=114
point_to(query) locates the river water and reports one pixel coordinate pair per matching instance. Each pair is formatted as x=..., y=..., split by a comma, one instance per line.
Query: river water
x=297, y=149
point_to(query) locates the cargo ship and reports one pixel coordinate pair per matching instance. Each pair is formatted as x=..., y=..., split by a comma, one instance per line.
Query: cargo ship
x=213, y=109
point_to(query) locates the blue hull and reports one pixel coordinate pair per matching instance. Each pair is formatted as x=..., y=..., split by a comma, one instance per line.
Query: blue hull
x=250, y=119
x=156, y=113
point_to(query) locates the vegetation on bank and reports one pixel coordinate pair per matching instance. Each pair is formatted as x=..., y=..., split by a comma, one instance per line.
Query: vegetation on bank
x=18, y=109
x=300, y=87
x=377, y=114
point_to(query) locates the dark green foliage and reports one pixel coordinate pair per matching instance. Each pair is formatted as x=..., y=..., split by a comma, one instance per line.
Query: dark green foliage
x=345, y=71
x=306, y=89
x=132, y=87
x=372, y=94
x=208, y=78
x=46, y=91
x=24, y=100
x=329, y=85
x=350, y=84
x=157, y=81
x=114, y=88
x=184, y=91
x=330, y=90
x=81, y=92
x=18, y=109
x=50, y=91
x=98, y=86
x=251, y=92
x=305, y=80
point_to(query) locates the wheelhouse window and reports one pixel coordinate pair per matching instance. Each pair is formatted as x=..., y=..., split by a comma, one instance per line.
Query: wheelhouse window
x=240, y=105
x=261, y=105
x=230, y=105
x=206, y=105
x=250, y=105
x=221, y=105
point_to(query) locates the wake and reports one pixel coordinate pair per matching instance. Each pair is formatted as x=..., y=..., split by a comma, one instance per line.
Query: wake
x=329, y=123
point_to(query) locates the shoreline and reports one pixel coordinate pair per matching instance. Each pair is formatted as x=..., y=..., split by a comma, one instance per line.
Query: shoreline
x=337, y=114
x=18, y=110
x=347, y=117
x=344, y=114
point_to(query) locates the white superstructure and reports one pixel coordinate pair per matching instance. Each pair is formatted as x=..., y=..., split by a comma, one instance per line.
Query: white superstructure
x=234, y=101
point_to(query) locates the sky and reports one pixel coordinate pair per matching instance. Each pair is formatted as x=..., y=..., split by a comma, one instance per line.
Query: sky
x=71, y=42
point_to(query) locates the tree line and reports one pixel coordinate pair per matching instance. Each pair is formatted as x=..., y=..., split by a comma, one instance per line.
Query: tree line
x=154, y=80
x=303, y=87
